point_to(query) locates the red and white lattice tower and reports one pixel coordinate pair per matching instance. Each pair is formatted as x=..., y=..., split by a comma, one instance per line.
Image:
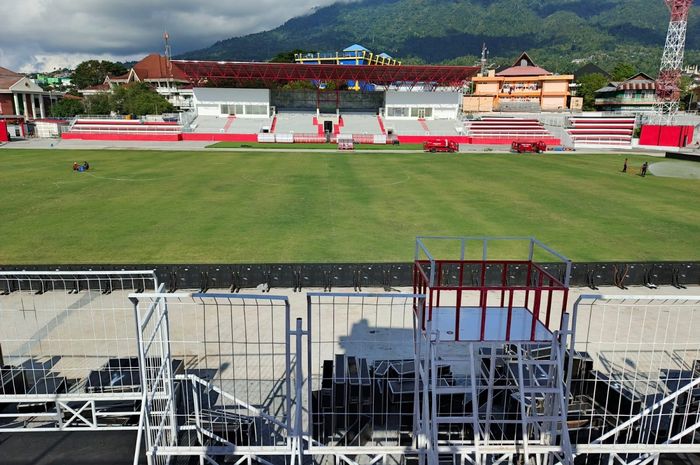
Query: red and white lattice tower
x=168, y=53
x=668, y=83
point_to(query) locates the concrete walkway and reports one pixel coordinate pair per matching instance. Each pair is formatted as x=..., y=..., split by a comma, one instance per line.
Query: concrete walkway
x=72, y=144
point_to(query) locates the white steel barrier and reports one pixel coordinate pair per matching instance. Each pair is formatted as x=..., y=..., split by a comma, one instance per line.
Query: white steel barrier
x=68, y=358
x=636, y=394
x=356, y=380
x=218, y=372
x=363, y=378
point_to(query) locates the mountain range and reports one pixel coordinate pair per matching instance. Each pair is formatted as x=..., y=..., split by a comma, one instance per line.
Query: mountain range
x=560, y=35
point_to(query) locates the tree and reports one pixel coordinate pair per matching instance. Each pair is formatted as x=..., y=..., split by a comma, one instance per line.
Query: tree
x=93, y=72
x=623, y=71
x=139, y=99
x=288, y=57
x=295, y=85
x=686, y=87
x=66, y=108
x=98, y=104
x=587, y=86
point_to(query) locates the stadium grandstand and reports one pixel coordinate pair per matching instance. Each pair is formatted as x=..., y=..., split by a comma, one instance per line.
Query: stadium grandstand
x=406, y=104
x=116, y=128
x=310, y=115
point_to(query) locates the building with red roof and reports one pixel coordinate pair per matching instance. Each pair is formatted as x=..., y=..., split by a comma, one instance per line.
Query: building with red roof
x=522, y=87
x=163, y=74
x=22, y=97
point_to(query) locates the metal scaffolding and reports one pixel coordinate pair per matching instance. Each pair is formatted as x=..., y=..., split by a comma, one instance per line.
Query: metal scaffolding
x=635, y=393
x=359, y=378
x=200, y=72
x=668, y=91
x=68, y=353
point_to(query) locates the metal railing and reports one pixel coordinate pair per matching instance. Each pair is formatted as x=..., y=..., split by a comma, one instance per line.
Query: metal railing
x=352, y=377
x=135, y=130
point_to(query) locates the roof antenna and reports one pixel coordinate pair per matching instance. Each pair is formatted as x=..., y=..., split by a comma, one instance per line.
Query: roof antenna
x=484, y=58
x=168, y=53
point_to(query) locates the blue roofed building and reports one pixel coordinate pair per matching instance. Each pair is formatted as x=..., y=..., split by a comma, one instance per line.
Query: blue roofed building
x=355, y=54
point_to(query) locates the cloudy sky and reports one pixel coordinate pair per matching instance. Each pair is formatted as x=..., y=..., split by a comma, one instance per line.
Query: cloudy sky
x=41, y=35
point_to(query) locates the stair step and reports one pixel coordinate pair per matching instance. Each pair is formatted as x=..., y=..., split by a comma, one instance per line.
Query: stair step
x=542, y=390
x=453, y=390
x=540, y=362
x=543, y=418
x=453, y=420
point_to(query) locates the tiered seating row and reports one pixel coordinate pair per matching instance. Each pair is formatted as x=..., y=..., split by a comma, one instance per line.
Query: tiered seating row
x=125, y=122
x=360, y=124
x=601, y=131
x=321, y=139
x=96, y=126
x=118, y=129
x=105, y=128
x=507, y=130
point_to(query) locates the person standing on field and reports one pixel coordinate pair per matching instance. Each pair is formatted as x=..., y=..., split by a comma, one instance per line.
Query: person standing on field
x=624, y=167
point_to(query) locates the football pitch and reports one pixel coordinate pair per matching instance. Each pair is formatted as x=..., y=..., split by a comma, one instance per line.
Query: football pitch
x=265, y=207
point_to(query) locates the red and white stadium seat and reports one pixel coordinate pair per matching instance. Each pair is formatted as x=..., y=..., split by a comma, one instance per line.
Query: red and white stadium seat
x=506, y=130
x=120, y=126
x=601, y=131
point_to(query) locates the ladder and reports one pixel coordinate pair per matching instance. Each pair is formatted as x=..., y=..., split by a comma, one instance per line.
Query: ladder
x=543, y=401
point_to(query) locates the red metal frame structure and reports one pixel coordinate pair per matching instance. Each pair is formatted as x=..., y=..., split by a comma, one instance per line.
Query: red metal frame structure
x=668, y=83
x=201, y=72
x=525, y=284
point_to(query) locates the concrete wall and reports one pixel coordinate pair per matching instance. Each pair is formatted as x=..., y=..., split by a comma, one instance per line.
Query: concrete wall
x=443, y=105
x=489, y=88
x=477, y=104
x=214, y=101
x=394, y=97
x=555, y=86
x=553, y=103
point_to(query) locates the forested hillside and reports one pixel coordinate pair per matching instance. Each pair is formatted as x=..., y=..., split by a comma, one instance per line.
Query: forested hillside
x=559, y=34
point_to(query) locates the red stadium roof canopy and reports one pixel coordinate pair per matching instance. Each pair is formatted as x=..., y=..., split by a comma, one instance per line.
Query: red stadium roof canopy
x=216, y=71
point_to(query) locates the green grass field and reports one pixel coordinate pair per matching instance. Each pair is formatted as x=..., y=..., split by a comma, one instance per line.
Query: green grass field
x=217, y=206
x=258, y=145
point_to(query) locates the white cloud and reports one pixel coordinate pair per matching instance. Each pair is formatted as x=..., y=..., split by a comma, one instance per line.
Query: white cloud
x=46, y=34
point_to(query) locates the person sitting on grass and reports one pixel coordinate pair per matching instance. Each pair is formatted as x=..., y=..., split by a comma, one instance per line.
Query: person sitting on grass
x=75, y=166
x=86, y=166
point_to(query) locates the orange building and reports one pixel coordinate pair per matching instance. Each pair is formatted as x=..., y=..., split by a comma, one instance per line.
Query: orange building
x=523, y=87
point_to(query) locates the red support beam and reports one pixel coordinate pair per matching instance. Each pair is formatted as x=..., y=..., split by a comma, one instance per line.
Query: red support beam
x=504, y=279
x=201, y=72
x=484, y=300
x=439, y=281
x=509, y=322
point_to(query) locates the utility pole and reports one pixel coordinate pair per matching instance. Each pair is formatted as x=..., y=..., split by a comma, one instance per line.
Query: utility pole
x=168, y=53
x=484, y=59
